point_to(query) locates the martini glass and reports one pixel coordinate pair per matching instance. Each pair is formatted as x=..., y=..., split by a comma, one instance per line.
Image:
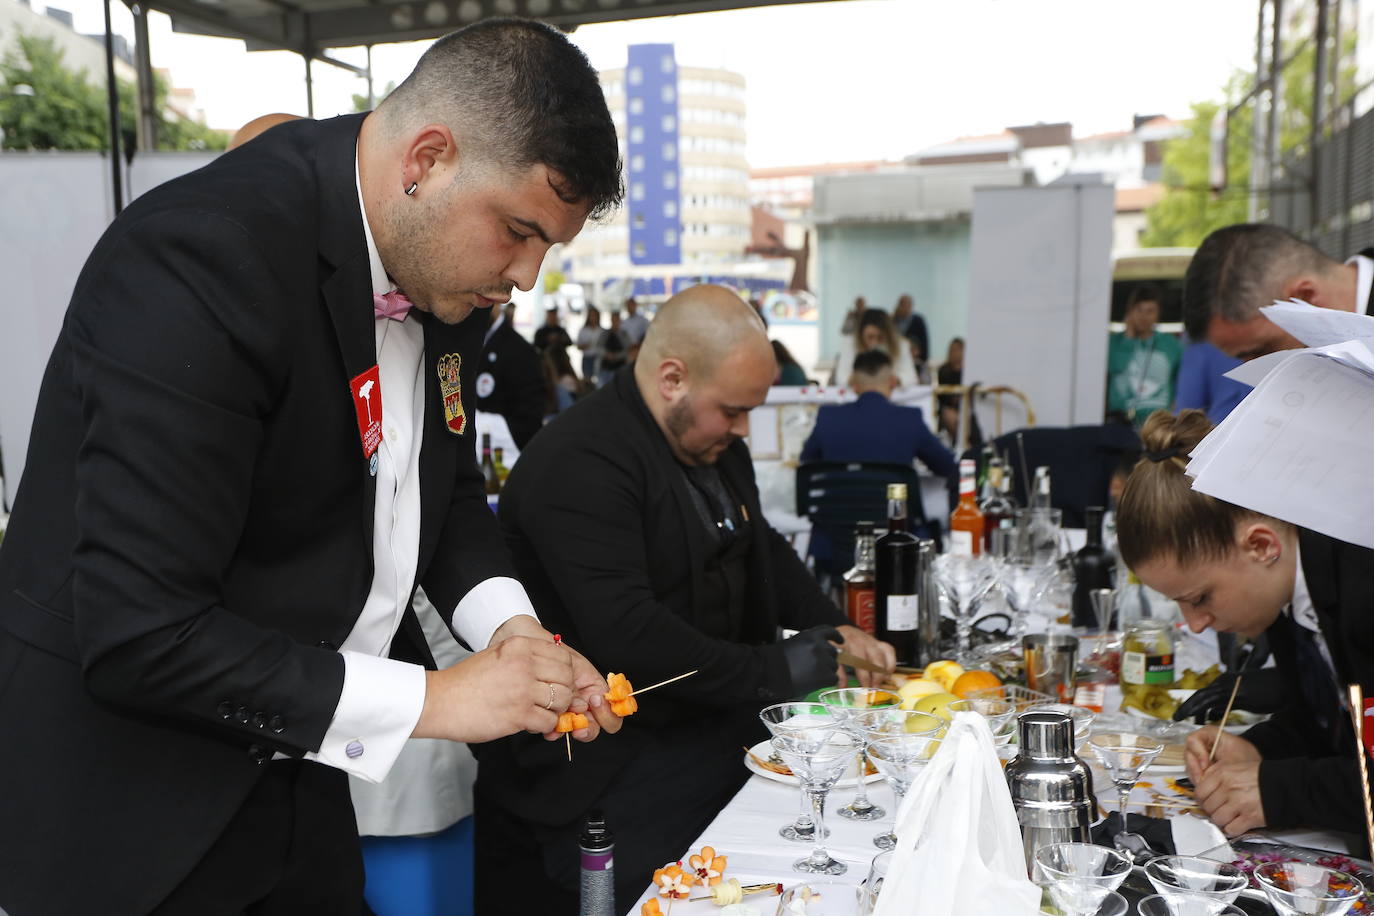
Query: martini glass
x=819, y=767
x=1000, y=716
x=909, y=739
x=804, y=721
x=1159, y=905
x=964, y=580
x=1124, y=757
x=1082, y=718
x=1303, y=889
x=846, y=703
x=1200, y=886
x=900, y=758
x=1023, y=582
x=1080, y=876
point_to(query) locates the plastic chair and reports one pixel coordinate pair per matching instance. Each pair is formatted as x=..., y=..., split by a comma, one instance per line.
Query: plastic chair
x=1081, y=460
x=837, y=495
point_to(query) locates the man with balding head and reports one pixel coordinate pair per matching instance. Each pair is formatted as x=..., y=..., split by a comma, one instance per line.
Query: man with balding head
x=1239, y=269
x=635, y=524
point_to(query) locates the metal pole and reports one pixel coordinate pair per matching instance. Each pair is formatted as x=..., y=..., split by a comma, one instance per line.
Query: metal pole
x=1314, y=159
x=112, y=96
x=147, y=87
x=1275, y=102
x=309, y=88
x=1256, y=118
x=371, y=99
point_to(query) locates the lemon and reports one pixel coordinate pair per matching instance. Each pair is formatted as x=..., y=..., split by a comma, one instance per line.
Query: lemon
x=944, y=672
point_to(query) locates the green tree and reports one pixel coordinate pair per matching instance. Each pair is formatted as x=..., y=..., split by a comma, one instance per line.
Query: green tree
x=360, y=101
x=61, y=110
x=1189, y=209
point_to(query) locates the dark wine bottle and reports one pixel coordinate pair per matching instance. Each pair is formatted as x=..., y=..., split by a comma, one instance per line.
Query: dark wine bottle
x=895, y=580
x=1093, y=567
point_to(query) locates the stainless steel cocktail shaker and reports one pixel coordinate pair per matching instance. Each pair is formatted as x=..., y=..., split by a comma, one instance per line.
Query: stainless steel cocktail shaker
x=1051, y=787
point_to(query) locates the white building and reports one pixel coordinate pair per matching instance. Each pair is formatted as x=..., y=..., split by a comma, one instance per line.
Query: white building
x=79, y=52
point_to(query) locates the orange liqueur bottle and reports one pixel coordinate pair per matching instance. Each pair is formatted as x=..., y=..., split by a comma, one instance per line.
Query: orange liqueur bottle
x=966, y=521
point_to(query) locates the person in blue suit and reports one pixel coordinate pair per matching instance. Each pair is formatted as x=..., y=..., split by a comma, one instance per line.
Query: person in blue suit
x=873, y=428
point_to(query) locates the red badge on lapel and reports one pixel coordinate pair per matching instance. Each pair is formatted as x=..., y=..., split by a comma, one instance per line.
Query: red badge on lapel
x=367, y=403
x=1368, y=725
x=451, y=391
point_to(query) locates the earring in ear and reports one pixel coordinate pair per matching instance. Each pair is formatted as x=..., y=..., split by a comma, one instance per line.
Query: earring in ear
x=1270, y=561
x=414, y=186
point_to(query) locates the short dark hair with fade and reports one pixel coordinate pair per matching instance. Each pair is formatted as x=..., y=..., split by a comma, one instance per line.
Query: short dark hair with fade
x=872, y=362
x=523, y=95
x=1238, y=269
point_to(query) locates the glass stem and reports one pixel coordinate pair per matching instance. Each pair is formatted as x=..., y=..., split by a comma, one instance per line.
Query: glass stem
x=860, y=801
x=804, y=823
x=819, y=856
x=1123, y=792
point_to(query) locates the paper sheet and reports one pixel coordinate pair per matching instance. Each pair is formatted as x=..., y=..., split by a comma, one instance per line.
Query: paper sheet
x=1297, y=447
x=1318, y=327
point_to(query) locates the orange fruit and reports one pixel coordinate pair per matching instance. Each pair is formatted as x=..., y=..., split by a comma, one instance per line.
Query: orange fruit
x=971, y=681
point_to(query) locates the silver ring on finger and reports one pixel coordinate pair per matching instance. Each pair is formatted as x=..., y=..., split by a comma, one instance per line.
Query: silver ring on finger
x=552, y=696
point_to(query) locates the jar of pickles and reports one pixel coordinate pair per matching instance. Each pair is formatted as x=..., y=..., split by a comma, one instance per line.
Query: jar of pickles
x=1147, y=655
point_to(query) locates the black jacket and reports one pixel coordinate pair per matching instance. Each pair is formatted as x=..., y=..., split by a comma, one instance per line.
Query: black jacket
x=1309, y=775
x=510, y=382
x=601, y=524
x=193, y=532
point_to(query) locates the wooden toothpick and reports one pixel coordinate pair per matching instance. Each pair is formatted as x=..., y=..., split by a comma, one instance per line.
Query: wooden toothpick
x=567, y=736
x=661, y=683
x=1221, y=727
x=1356, y=695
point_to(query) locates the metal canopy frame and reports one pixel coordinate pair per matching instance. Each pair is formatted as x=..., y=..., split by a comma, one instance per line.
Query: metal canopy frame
x=311, y=27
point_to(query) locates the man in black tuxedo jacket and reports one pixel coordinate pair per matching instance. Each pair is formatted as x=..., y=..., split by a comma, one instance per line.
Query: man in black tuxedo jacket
x=239, y=471
x=1237, y=270
x=634, y=521
x=510, y=380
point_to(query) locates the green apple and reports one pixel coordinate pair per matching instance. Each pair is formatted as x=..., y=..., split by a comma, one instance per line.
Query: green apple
x=936, y=704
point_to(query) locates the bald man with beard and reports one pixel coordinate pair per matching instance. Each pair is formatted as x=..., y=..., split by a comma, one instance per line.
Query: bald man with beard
x=635, y=524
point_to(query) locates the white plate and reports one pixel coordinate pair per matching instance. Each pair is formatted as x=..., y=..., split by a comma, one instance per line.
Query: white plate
x=764, y=748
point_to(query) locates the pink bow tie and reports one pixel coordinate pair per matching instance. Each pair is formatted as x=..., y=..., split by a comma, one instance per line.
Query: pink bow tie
x=393, y=305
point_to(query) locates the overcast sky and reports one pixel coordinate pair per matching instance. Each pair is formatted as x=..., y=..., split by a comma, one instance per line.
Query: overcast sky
x=829, y=82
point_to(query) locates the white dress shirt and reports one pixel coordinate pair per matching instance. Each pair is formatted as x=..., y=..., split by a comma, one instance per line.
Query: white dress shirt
x=1364, y=275
x=382, y=698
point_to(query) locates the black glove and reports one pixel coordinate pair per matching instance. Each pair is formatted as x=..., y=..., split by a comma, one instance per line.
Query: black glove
x=810, y=658
x=1261, y=690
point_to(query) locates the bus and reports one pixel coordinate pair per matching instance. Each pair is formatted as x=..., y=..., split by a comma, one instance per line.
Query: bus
x=1162, y=267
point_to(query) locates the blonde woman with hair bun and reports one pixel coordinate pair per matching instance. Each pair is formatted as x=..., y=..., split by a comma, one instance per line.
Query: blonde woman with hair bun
x=1238, y=571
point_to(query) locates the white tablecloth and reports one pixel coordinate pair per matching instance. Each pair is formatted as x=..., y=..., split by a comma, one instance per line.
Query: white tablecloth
x=746, y=832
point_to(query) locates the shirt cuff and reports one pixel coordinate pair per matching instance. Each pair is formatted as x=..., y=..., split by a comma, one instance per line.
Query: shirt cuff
x=491, y=603
x=378, y=709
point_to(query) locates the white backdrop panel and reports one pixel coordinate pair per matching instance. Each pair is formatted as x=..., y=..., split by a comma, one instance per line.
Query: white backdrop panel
x=53, y=208
x=1039, y=298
